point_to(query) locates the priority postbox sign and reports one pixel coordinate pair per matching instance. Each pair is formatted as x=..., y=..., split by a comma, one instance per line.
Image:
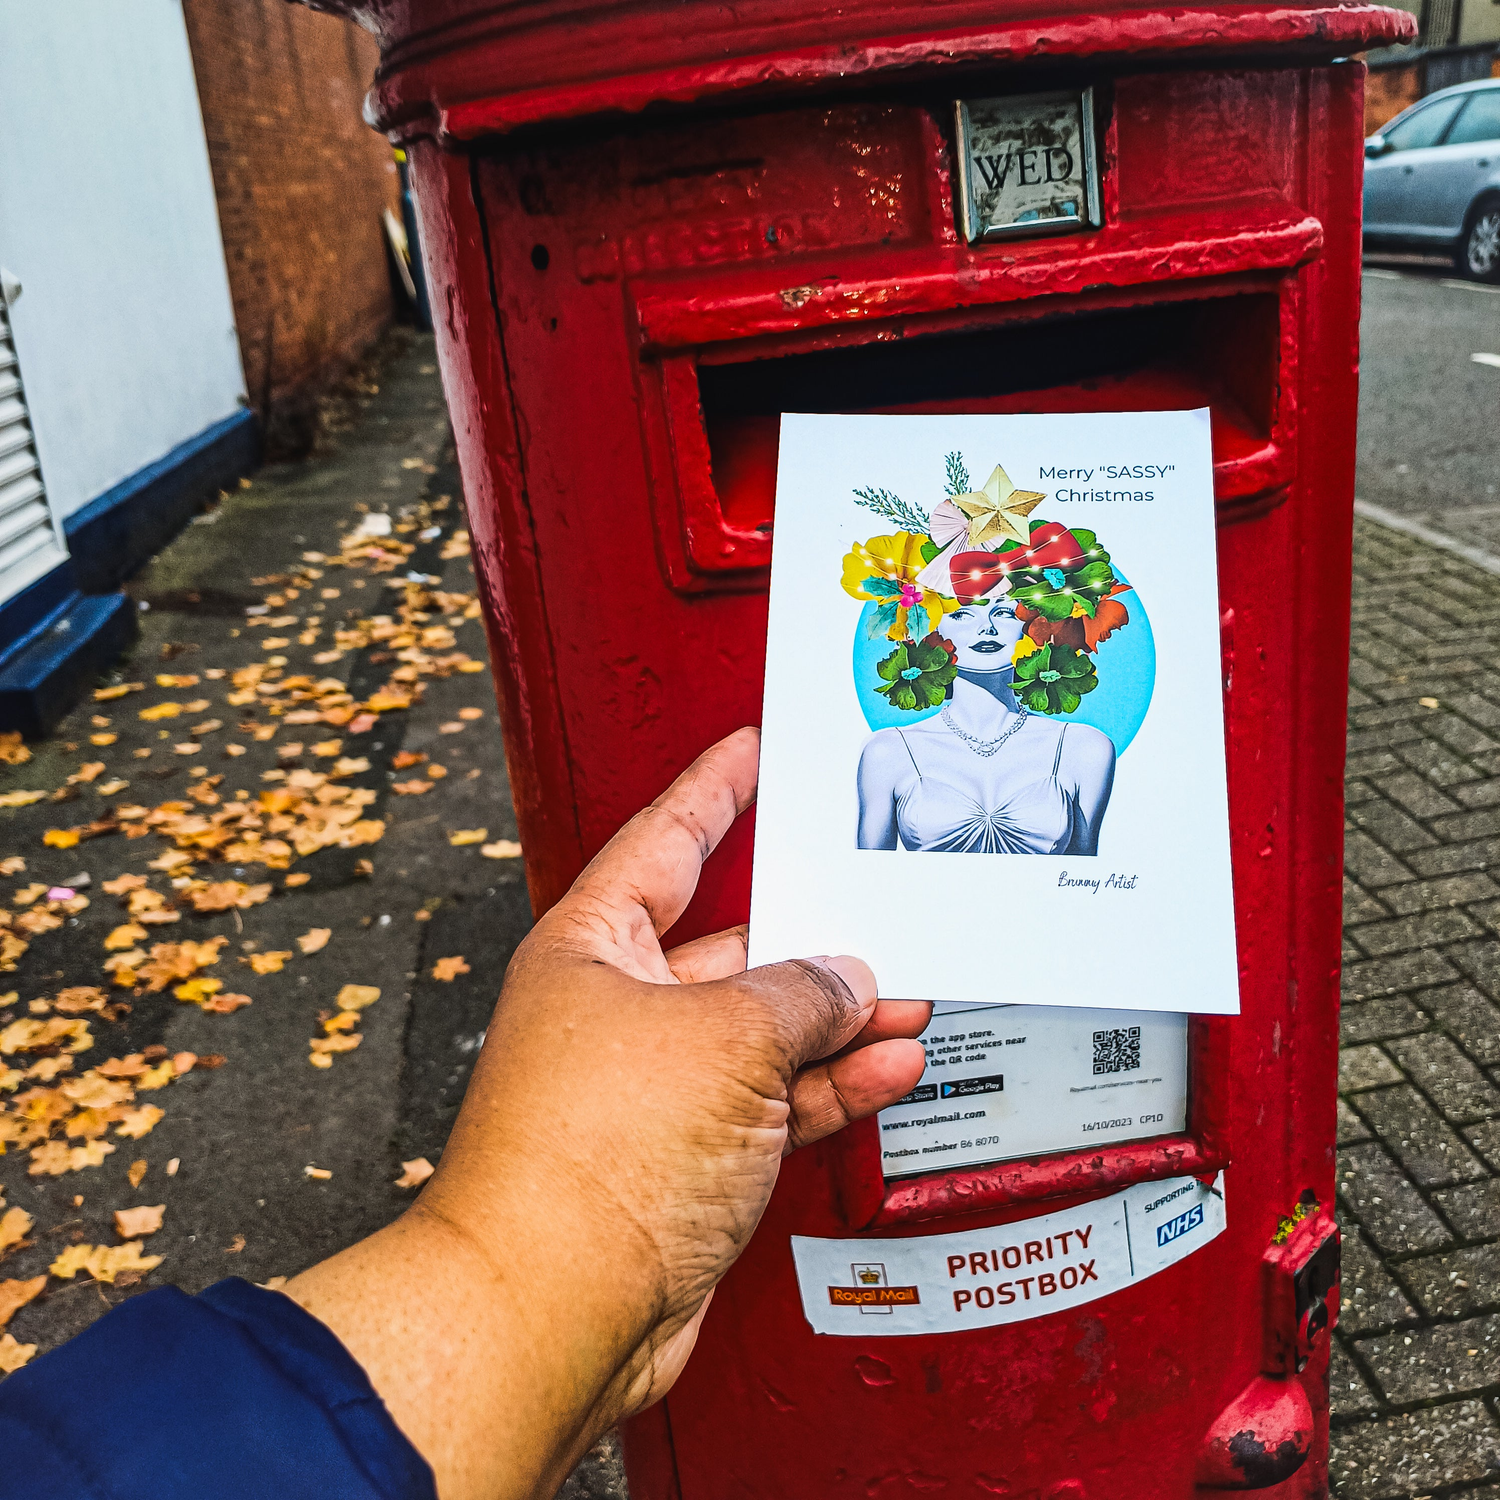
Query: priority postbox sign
x=1027, y=165
x=945, y=1283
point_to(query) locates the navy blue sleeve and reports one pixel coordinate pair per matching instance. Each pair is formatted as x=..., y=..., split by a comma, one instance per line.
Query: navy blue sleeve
x=235, y=1393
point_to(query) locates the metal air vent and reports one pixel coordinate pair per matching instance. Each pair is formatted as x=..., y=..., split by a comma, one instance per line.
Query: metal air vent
x=29, y=541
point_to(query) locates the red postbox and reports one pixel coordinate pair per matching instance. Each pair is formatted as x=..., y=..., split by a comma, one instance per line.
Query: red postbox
x=651, y=229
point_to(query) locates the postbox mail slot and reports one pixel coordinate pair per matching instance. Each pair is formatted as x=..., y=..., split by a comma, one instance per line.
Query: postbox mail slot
x=715, y=503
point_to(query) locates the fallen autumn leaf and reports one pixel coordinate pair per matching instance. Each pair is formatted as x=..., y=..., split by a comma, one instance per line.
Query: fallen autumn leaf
x=414, y=1173
x=134, y=1223
x=15, y=1224
x=16, y=1294
x=12, y=1354
x=103, y=1262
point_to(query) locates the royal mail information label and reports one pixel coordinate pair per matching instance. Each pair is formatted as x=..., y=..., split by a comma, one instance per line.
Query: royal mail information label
x=1023, y=1080
x=942, y=1283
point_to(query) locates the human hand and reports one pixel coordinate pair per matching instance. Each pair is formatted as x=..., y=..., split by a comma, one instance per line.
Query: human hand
x=618, y=1143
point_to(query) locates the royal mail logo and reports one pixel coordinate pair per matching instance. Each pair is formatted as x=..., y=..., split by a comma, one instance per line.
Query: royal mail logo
x=874, y=1296
x=1174, y=1229
x=871, y=1293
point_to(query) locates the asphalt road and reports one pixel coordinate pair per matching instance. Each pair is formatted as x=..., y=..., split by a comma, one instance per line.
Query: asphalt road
x=1429, y=413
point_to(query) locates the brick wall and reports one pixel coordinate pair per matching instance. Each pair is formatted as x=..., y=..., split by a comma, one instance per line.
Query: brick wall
x=301, y=181
x=1388, y=91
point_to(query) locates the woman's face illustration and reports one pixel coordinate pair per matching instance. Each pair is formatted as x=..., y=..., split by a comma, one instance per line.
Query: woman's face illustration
x=984, y=635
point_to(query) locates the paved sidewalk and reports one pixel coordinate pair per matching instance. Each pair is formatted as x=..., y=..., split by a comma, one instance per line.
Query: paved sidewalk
x=260, y=652
x=1417, y=1363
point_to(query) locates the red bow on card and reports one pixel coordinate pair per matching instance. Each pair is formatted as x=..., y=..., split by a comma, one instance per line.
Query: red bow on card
x=1051, y=546
x=975, y=575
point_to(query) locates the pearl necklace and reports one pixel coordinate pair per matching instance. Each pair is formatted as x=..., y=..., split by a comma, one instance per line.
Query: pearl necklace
x=986, y=748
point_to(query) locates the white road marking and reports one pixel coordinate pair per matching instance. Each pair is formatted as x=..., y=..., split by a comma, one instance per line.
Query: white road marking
x=1493, y=360
x=1488, y=561
x=1469, y=286
x=1472, y=512
x=1384, y=275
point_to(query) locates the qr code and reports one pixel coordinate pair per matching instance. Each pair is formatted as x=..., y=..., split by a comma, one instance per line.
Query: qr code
x=1117, y=1051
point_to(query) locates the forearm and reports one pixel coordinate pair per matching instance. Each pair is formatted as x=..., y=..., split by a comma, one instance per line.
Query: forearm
x=495, y=1354
x=472, y=1314
x=506, y=1316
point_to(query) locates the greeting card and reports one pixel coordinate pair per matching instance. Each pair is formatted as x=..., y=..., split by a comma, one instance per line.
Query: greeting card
x=992, y=761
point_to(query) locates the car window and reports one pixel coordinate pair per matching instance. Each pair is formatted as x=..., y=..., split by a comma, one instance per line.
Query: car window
x=1425, y=126
x=1480, y=120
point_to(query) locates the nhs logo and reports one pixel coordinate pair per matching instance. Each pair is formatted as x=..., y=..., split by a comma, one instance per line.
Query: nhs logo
x=1174, y=1229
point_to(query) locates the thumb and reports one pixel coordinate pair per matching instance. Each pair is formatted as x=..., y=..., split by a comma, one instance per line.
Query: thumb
x=810, y=1006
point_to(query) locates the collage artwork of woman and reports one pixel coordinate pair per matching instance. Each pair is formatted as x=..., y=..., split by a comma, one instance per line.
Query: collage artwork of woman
x=993, y=621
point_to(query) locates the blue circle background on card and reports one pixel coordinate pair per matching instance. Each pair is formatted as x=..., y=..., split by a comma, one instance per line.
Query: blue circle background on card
x=1126, y=664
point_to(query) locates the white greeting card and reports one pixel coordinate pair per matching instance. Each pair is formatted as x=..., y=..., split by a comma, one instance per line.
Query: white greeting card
x=992, y=760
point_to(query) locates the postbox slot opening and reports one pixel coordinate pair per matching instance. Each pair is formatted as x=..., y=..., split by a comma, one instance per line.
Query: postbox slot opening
x=1239, y=347
x=742, y=449
x=1222, y=352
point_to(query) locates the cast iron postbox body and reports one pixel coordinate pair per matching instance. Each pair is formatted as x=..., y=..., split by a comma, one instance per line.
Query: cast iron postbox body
x=649, y=231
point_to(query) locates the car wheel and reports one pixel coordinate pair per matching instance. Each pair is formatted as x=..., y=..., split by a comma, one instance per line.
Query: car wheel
x=1479, y=250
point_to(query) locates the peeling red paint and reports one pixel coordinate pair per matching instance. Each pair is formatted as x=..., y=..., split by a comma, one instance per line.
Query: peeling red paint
x=1260, y=1439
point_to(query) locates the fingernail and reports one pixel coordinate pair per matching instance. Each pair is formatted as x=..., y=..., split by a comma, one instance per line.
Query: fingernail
x=855, y=973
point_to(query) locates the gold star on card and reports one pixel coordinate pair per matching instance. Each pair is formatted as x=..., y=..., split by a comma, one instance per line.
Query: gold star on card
x=998, y=512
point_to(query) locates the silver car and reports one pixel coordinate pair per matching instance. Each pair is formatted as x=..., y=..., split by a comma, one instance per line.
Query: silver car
x=1432, y=178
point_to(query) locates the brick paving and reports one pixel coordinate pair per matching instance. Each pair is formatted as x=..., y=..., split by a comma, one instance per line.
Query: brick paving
x=1416, y=1369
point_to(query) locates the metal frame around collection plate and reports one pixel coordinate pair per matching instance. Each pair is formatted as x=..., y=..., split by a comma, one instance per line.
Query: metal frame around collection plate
x=1025, y=228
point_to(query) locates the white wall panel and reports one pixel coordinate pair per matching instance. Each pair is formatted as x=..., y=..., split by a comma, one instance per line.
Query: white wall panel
x=125, y=331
